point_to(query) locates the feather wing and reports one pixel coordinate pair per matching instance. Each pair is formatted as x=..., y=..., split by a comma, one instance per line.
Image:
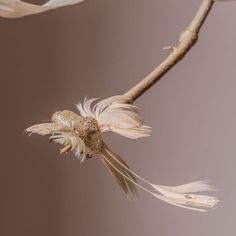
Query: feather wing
x=112, y=114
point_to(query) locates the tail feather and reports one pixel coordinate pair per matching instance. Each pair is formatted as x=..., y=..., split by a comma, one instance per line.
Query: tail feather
x=111, y=160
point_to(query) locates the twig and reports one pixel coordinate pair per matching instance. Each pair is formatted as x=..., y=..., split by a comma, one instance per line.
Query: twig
x=187, y=39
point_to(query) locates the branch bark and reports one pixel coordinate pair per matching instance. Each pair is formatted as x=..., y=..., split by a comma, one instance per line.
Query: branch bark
x=186, y=41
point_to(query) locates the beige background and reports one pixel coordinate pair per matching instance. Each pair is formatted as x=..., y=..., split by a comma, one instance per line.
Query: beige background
x=101, y=48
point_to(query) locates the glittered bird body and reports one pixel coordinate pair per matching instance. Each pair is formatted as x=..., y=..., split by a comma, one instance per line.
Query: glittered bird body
x=86, y=128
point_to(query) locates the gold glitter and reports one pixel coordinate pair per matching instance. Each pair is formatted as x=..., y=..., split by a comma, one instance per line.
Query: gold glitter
x=85, y=128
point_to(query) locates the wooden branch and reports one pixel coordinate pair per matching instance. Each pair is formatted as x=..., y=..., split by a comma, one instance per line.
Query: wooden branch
x=187, y=39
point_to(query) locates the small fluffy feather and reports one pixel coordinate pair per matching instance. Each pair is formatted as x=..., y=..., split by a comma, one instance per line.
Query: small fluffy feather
x=17, y=8
x=114, y=115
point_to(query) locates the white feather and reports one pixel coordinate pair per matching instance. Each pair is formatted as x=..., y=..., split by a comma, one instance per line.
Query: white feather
x=47, y=128
x=17, y=8
x=61, y=3
x=62, y=135
x=131, y=133
x=193, y=187
x=187, y=199
x=181, y=195
x=85, y=107
x=112, y=114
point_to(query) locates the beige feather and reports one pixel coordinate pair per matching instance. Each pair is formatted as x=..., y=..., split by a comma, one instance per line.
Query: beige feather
x=112, y=161
x=18, y=8
x=112, y=114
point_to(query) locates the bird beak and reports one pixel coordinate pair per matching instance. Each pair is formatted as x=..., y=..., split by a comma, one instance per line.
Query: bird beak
x=66, y=149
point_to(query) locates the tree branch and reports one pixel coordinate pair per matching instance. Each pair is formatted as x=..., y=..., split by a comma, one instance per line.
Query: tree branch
x=187, y=39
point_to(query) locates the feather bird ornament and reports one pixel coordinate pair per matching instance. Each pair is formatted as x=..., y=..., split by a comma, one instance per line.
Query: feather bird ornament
x=82, y=134
x=18, y=8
